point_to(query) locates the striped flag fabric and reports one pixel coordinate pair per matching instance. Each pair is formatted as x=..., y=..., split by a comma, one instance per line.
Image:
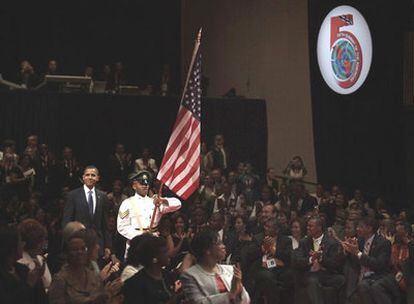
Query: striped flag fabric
x=180, y=167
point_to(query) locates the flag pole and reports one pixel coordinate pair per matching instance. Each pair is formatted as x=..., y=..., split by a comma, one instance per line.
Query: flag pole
x=193, y=57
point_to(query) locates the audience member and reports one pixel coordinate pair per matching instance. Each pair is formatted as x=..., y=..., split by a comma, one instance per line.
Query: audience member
x=52, y=67
x=208, y=281
x=152, y=284
x=34, y=236
x=371, y=253
x=27, y=77
x=119, y=164
x=117, y=77
x=76, y=282
x=318, y=262
x=256, y=218
x=19, y=284
x=296, y=169
x=146, y=162
x=165, y=86
x=220, y=154
x=69, y=169
x=272, y=263
x=297, y=232
x=272, y=181
x=132, y=263
x=116, y=197
x=181, y=238
x=206, y=158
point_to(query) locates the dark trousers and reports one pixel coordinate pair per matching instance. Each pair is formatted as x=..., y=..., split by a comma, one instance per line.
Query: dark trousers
x=269, y=284
x=378, y=290
x=315, y=281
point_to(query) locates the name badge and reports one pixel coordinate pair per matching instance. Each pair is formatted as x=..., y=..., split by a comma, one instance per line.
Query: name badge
x=271, y=263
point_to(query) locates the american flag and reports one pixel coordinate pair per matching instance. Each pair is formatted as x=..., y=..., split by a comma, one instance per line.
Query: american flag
x=180, y=167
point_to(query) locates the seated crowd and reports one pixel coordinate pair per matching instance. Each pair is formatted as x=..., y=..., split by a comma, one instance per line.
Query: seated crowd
x=240, y=238
x=112, y=76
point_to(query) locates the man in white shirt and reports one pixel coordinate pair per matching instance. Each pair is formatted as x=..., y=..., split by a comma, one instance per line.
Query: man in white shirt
x=319, y=263
x=146, y=162
x=370, y=255
x=136, y=213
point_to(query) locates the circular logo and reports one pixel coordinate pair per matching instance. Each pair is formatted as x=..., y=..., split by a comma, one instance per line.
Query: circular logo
x=344, y=49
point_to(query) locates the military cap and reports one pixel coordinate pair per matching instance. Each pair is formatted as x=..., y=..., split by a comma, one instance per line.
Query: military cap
x=142, y=176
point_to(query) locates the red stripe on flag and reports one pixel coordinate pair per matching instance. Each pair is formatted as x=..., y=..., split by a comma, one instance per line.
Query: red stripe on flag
x=190, y=154
x=166, y=173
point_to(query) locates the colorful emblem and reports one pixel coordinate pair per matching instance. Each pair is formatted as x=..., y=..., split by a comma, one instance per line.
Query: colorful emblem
x=344, y=49
x=346, y=53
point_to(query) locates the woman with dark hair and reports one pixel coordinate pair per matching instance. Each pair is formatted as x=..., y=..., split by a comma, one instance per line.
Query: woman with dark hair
x=208, y=281
x=243, y=238
x=296, y=169
x=76, y=282
x=132, y=263
x=180, y=238
x=19, y=285
x=153, y=284
x=34, y=237
x=297, y=227
x=91, y=241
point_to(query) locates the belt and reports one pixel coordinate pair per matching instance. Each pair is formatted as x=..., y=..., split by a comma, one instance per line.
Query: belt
x=154, y=229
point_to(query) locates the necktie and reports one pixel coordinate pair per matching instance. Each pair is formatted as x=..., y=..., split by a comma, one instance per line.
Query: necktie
x=367, y=246
x=90, y=203
x=365, y=270
x=315, y=245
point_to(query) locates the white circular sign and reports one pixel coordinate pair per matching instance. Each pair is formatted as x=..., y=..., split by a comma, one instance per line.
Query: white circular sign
x=344, y=49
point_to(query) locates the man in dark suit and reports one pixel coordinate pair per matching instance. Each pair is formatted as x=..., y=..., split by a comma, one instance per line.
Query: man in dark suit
x=216, y=223
x=220, y=154
x=88, y=205
x=371, y=253
x=119, y=163
x=270, y=263
x=318, y=262
x=302, y=202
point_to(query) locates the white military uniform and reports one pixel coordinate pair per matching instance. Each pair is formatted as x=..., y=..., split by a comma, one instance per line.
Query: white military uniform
x=135, y=213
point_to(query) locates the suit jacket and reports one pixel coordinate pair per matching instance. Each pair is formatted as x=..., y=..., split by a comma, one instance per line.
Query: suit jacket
x=116, y=170
x=378, y=259
x=200, y=287
x=283, y=248
x=218, y=158
x=308, y=204
x=332, y=258
x=408, y=270
x=76, y=209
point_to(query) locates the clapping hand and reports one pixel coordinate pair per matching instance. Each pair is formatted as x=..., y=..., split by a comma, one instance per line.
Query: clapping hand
x=109, y=268
x=269, y=246
x=236, y=283
x=351, y=246
x=34, y=275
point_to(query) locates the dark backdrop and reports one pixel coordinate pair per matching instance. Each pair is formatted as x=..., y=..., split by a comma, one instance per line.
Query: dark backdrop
x=92, y=124
x=142, y=34
x=359, y=137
